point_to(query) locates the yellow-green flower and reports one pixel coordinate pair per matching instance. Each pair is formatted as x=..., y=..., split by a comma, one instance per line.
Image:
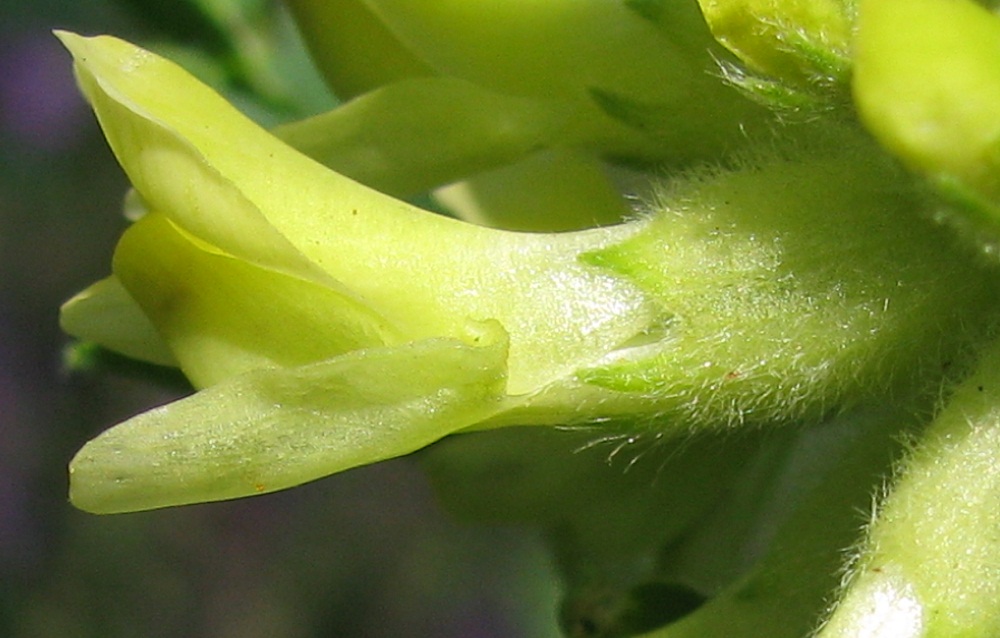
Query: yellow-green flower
x=790, y=322
x=238, y=264
x=266, y=276
x=485, y=107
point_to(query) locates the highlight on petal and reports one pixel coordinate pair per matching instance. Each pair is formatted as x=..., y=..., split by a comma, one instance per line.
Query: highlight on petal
x=271, y=429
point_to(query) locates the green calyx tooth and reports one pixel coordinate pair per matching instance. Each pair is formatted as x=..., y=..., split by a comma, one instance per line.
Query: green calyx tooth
x=789, y=287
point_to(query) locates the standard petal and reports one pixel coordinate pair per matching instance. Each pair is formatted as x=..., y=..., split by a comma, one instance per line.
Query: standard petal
x=146, y=108
x=227, y=181
x=272, y=429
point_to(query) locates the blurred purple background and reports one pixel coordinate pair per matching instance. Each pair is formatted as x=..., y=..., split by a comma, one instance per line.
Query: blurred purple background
x=367, y=553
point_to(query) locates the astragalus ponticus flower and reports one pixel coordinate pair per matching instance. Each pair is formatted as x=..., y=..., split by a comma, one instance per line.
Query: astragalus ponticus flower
x=805, y=279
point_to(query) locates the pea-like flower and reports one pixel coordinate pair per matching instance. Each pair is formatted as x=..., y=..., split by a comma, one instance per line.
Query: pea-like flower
x=290, y=293
x=802, y=279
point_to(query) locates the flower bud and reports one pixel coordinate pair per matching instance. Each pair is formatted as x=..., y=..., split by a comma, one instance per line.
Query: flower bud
x=798, y=285
x=927, y=85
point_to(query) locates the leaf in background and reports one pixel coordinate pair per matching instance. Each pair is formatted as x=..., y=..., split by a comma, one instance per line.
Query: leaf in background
x=834, y=474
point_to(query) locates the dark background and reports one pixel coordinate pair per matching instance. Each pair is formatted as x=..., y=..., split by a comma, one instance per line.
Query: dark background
x=367, y=553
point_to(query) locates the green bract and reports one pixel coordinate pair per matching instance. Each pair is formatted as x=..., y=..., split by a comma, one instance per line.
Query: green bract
x=794, y=54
